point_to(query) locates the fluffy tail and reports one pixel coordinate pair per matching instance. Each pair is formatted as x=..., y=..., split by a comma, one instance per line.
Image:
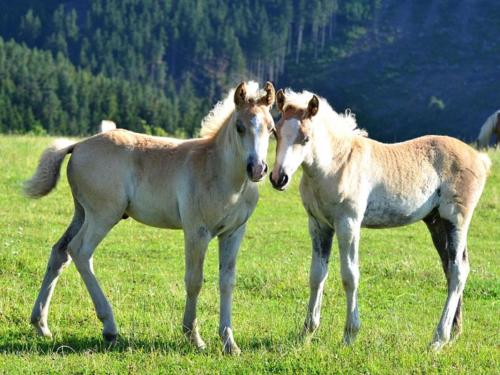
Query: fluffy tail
x=486, y=161
x=48, y=170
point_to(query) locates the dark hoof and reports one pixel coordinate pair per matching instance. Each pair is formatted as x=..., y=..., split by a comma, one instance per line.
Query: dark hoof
x=110, y=338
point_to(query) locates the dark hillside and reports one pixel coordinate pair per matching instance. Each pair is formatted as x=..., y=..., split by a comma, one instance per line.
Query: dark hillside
x=405, y=67
x=434, y=68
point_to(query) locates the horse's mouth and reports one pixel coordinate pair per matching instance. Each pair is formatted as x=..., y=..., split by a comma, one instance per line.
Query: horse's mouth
x=258, y=179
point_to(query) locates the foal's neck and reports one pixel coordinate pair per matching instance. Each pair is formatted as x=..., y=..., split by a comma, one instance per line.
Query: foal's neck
x=228, y=157
x=328, y=152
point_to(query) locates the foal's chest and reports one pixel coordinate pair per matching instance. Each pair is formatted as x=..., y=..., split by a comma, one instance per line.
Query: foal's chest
x=234, y=212
x=319, y=205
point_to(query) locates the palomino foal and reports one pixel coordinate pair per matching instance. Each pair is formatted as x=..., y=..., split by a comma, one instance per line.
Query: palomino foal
x=350, y=181
x=205, y=186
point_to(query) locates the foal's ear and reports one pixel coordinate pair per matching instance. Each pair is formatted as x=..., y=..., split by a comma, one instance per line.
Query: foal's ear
x=270, y=96
x=313, y=106
x=280, y=100
x=240, y=95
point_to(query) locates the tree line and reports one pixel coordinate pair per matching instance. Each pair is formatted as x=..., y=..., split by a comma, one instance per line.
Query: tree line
x=156, y=64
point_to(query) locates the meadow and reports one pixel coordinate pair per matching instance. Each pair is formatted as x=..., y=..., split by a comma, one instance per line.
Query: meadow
x=402, y=292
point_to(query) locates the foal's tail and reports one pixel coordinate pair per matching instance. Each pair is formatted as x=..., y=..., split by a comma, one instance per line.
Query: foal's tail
x=47, y=172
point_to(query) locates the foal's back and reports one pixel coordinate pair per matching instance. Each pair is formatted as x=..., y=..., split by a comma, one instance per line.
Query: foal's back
x=136, y=174
x=407, y=180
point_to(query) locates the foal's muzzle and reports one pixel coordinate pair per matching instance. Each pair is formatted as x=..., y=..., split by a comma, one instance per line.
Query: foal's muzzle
x=256, y=170
x=281, y=181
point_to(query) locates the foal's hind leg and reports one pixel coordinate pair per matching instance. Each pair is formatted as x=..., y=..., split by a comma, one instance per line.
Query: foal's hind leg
x=59, y=258
x=81, y=249
x=321, y=237
x=437, y=228
x=457, y=270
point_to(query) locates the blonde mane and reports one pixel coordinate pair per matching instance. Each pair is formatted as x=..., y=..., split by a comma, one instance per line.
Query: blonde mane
x=224, y=110
x=344, y=123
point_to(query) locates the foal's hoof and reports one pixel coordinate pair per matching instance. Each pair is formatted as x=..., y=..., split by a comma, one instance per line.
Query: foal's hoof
x=195, y=339
x=231, y=349
x=349, y=338
x=199, y=344
x=43, y=331
x=307, y=334
x=228, y=344
x=110, y=338
x=350, y=333
x=437, y=346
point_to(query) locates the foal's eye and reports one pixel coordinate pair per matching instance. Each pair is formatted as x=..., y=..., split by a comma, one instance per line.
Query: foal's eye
x=305, y=140
x=240, y=128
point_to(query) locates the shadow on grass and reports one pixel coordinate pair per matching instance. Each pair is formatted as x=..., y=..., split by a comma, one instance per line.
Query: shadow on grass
x=28, y=343
x=273, y=344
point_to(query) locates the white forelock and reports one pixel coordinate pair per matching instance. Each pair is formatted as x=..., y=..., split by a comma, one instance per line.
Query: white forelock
x=340, y=122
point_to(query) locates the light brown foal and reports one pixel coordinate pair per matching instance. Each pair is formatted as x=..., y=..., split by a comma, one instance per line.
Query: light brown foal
x=206, y=187
x=350, y=181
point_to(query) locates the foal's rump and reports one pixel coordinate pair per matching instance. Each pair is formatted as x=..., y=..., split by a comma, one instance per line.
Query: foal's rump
x=114, y=172
x=411, y=178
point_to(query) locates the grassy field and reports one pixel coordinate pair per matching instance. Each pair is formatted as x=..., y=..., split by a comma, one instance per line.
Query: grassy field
x=402, y=292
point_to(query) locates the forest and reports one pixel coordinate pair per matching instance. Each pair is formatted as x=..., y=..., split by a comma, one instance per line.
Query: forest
x=158, y=66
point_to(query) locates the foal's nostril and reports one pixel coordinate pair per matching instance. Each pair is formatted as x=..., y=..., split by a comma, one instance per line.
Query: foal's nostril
x=282, y=181
x=249, y=169
x=265, y=168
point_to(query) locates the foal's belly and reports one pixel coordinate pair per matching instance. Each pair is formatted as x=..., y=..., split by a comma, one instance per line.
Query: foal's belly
x=155, y=211
x=397, y=210
x=154, y=218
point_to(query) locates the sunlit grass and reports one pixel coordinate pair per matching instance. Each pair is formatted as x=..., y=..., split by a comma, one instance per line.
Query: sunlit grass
x=402, y=292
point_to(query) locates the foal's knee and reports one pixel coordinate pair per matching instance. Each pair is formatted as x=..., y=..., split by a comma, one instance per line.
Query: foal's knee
x=226, y=282
x=193, y=284
x=350, y=280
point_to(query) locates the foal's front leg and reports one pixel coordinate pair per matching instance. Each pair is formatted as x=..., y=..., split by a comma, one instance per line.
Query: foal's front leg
x=321, y=237
x=348, y=236
x=195, y=247
x=229, y=245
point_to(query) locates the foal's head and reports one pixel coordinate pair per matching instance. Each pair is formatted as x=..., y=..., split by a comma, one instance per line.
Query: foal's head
x=253, y=125
x=293, y=133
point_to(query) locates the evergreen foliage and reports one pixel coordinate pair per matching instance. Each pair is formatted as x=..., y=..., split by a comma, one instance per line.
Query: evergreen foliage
x=147, y=64
x=160, y=65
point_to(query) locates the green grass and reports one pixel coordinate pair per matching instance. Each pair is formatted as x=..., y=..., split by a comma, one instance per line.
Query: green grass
x=402, y=292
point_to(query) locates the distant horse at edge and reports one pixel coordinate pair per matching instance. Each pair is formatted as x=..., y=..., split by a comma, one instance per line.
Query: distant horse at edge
x=491, y=126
